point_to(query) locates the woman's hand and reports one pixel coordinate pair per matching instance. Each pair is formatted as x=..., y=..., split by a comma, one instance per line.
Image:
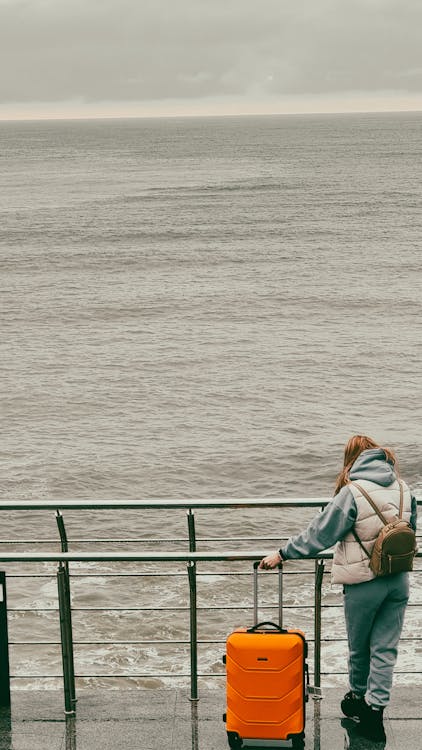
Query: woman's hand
x=271, y=561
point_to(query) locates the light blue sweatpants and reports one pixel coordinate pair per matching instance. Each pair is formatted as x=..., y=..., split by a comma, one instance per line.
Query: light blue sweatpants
x=374, y=613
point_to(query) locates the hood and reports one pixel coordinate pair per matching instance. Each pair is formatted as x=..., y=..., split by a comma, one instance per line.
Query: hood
x=373, y=466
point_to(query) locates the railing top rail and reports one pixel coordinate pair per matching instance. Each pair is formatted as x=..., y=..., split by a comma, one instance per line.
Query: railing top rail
x=141, y=556
x=130, y=556
x=248, y=502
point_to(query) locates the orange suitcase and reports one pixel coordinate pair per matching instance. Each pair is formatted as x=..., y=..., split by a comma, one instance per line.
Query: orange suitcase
x=267, y=680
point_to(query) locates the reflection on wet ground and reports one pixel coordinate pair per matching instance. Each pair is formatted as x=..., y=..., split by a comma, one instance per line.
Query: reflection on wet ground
x=158, y=719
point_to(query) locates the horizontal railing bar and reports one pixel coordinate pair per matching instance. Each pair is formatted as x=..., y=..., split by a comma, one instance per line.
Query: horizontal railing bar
x=113, y=643
x=278, y=540
x=105, y=574
x=245, y=608
x=41, y=643
x=142, y=609
x=231, y=608
x=166, y=675
x=402, y=638
x=131, y=556
x=121, y=643
x=90, y=676
x=168, y=574
x=146, y=675
x=221, y=675
x=150, y=540
x=152, y=574
x=248, y=502
x=328, y=674
x=244, y=502
x=221, y=641
x=142, y=556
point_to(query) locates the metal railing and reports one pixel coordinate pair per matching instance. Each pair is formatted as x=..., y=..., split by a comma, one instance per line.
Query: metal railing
x=191, y=557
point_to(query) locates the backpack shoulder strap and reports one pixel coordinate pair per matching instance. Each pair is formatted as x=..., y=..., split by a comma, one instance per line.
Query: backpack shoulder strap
x=378, y=512
x=370, y=500
x=401, y=498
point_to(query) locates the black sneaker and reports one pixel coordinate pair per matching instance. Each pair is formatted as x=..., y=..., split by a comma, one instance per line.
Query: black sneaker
x=371, y=725
x=353, y=705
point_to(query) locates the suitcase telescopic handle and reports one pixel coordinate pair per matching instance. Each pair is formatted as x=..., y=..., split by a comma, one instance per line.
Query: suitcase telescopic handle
x=280, y=593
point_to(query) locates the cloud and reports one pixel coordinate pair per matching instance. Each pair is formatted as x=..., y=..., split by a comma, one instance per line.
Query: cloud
x=165, y=50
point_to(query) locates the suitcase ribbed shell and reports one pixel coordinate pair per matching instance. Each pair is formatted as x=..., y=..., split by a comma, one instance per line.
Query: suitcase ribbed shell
x=265, y=684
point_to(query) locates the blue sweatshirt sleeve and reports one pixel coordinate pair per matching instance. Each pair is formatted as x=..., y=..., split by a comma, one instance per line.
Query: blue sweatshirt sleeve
x=327, y=528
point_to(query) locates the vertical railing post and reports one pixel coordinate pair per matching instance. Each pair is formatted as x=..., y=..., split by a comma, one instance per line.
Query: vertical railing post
x=319, y=573
x=66, y=631
x=4, y=646
x=193, y=611
x=64, y=637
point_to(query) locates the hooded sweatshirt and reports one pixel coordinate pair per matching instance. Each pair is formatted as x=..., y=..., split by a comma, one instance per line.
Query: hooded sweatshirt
x=348, y=509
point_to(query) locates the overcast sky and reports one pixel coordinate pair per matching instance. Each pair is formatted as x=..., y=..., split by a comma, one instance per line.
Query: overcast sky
x=147, y=57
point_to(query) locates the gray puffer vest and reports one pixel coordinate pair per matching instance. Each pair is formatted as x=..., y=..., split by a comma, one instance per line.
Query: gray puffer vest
x=350, y=564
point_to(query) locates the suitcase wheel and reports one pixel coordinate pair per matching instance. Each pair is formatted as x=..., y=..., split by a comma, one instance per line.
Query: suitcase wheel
x=298, y=741
x=235, y=742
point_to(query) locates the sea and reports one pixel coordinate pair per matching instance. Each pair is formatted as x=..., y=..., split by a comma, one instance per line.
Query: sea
x=197, y=308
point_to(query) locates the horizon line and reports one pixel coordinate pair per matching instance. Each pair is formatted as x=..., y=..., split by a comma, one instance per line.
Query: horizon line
x=193, y=115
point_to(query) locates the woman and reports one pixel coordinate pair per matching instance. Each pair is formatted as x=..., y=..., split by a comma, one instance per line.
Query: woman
x=374, y=607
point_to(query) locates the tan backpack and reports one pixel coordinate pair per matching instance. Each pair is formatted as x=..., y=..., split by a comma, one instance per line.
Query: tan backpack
x=395, y=546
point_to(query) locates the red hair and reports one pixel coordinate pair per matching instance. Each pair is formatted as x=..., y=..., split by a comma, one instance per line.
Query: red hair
x=354, y=447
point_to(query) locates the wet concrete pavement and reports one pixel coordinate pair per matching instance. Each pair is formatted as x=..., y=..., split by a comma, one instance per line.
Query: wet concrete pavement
x=166, y=719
